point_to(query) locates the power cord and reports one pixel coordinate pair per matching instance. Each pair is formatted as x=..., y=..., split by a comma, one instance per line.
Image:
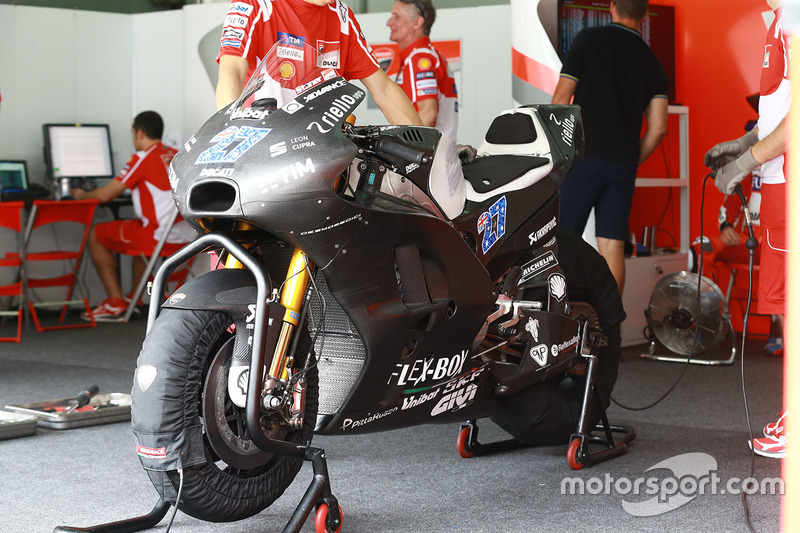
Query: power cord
x=751, y=243
x=697, y=312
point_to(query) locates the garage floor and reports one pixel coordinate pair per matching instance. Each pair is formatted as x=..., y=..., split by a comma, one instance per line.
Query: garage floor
x=412, y=480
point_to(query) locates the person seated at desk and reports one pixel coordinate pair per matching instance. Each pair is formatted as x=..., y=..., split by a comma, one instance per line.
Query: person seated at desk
x=146, y=176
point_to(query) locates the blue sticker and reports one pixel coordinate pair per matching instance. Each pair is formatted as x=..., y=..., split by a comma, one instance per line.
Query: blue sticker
x=492, y=224
x=224, y=152
x=287, y=39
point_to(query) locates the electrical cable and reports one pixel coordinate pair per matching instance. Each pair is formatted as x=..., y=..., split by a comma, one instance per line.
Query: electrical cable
x=750, y=244
x=177, y=500
x=697, y=312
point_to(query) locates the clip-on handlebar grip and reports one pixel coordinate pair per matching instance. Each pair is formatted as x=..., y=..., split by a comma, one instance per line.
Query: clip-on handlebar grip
x=396, y=149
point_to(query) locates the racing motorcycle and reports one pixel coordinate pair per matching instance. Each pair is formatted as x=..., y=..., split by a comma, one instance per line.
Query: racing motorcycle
x=367, y=281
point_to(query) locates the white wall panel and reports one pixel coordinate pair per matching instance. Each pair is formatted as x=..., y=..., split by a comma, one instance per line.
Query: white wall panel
x=202, y=27
x=60, y=65
x=157, y=69
x=102, y=76
x=484, y=81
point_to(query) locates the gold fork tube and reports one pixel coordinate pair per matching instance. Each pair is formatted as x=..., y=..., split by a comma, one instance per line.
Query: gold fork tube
x=294, y=291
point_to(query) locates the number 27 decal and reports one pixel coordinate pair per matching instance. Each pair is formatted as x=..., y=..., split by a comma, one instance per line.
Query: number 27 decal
x=492, y=224
x=220, y=152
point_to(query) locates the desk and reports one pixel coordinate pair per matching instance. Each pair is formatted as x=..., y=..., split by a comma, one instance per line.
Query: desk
x=117, y=203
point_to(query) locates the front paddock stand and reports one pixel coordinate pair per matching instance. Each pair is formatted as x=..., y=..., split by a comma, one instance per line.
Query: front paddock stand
x=328, y=517
x=130, y=525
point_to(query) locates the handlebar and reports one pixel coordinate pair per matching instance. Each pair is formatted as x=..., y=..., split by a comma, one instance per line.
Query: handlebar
x=396, y=149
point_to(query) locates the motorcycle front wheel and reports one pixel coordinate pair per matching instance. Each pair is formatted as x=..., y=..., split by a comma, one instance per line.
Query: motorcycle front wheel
x=191, y=351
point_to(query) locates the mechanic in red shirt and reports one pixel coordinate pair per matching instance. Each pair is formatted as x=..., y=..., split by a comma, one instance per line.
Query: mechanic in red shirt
x=424, y=75
x=146, y=176
x=252, y=27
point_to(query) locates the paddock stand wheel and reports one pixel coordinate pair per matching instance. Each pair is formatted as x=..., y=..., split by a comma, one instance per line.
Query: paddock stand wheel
x=578, y=453
x=468, y=446
x=574, y=455
x=327, y=523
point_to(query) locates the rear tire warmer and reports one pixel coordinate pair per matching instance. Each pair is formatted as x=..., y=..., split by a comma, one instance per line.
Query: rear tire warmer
x=546, y=413
x=189, y=341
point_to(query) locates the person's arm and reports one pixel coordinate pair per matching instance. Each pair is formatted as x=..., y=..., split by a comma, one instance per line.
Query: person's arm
x=394, y=103
x=232, y=72
x=772, y=145
x=428, y=111
x=657, y=117
x=565, y=90
x=105, y=194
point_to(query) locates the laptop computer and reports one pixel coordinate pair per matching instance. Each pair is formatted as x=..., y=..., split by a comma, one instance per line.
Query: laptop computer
x=14, y=184
x=13, y=178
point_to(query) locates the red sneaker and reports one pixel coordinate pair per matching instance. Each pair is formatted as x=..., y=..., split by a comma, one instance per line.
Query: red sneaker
x=111, y=310
x=770, y=446
x=777, y=428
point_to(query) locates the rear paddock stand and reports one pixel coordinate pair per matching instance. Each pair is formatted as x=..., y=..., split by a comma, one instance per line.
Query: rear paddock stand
x=605, y=447
x=328, y=517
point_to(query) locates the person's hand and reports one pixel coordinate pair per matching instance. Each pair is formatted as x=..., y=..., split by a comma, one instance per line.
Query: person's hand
x=732, y=174
x=466, y=153
x=726, y=152
x=730, y=237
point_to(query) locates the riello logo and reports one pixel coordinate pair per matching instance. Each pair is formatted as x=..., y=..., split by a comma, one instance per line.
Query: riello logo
x=340, y=108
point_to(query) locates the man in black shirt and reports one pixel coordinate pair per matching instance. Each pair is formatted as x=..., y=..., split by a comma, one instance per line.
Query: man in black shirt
x=616, y=79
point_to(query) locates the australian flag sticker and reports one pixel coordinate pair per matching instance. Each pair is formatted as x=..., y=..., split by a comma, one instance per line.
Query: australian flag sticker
x=492, y=224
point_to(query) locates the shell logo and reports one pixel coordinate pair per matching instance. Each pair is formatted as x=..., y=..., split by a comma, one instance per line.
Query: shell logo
x=424, y=63
x=287, y=70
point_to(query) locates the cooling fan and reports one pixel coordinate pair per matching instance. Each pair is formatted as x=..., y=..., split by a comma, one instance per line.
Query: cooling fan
x=683, y=326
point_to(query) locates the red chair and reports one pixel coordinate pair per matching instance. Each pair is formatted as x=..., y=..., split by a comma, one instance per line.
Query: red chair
x=53, y=217
x=727, y=267
x=11, y=265
x=161, y=250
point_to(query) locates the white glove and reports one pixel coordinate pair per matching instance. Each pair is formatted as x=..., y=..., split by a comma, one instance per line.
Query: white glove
x=732, y=174
x=724, y=153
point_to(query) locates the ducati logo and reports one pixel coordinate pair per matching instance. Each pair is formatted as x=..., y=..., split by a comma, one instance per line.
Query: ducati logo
x=145, y=376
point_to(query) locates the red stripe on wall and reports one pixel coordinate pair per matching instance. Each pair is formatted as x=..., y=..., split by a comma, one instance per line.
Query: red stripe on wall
x=533, y=72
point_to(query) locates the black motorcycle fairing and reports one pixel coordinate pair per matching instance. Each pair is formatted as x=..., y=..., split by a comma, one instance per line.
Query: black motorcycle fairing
x=219, y=174
x=534, y=238
x=426, y=290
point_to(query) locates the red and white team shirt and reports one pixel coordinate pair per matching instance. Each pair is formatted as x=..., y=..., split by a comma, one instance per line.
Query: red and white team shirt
x=252, y=27
x=775, y=99
x=147, y=176
x=426, y=75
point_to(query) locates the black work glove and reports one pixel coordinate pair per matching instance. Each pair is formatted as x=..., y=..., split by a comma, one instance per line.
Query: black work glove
x=466, y=153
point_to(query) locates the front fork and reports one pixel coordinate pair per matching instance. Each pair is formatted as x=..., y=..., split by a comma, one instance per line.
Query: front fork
x=279, y=379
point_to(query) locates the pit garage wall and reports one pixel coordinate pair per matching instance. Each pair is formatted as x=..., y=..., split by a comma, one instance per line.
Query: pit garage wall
x=59, y=65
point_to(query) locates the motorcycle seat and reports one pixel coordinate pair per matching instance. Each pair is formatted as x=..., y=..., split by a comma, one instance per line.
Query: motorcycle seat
x=491, y=172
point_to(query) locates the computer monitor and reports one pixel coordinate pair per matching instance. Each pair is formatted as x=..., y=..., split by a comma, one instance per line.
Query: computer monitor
x=658, y=30
x=13, y=176
x=78, y=151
